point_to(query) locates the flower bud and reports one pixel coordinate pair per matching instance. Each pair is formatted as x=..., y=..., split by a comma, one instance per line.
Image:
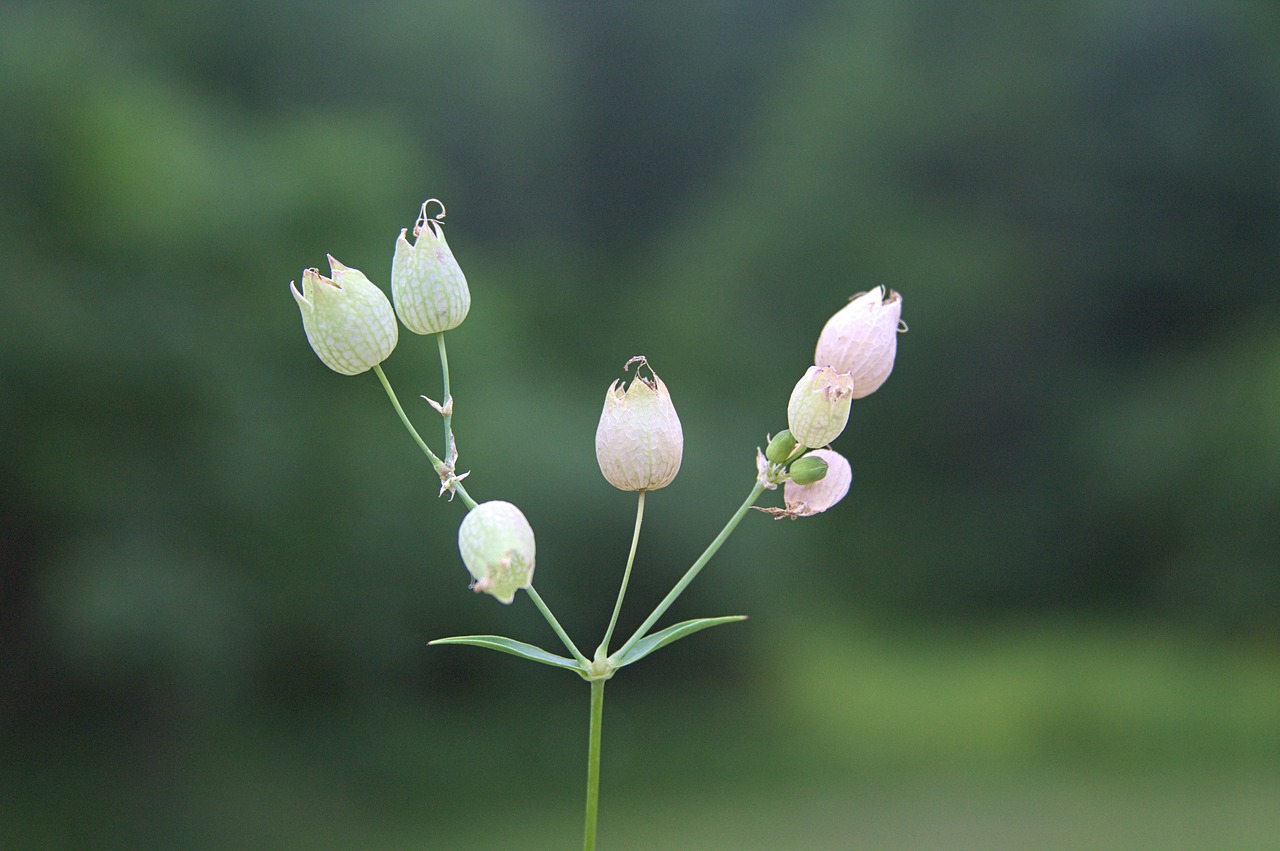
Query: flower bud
x=497, y=547
x=862, y=339
x=819, y=407
x=781, y=447
x=639, y=442
x=803, y=499
x=348, y=320
x=807, y=470
x=427, y=284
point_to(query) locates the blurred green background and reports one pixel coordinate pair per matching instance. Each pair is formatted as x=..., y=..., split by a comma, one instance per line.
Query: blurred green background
x=1047, y=616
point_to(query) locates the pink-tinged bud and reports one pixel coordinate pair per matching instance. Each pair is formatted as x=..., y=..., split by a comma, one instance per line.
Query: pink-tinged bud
x=348, y=320
x=819, y=406
x=497, y=547
x=862, y=339
x=427, y=284
x=639, y=442
x=817, y=497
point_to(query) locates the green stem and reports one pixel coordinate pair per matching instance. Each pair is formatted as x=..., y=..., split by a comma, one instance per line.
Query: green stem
x=404, y=418
x=440, y=467
x=448, y=417
x=593, y=765
x=692, y=572
x=557, y=629
x=603, y=650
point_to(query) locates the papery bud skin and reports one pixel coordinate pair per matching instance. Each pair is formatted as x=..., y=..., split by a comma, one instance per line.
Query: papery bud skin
x=862, y=339
x=349, y=322
x=781, y=447
x=639, y=441
x=803, y=500
x=819, y=406
x=428, y=286
x=497, y=546
x=807, y=470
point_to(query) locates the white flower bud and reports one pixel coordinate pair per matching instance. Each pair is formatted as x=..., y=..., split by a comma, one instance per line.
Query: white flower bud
x=639, y=442
x=427, y=284
x=348, y=320
x=862, y=339
x=497, y=547
x=814, y=498
x=819, y=406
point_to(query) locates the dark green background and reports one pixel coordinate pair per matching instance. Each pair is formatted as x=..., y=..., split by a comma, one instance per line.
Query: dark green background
x=1047, y=616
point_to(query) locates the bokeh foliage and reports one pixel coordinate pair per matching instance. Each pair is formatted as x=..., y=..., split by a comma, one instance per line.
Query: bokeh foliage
x=217, y=557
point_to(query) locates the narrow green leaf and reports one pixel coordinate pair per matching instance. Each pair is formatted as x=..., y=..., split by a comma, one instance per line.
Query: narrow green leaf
x=515, y=648
x=663, y=637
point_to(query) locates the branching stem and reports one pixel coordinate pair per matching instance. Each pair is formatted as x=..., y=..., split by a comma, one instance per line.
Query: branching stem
x=693, y=571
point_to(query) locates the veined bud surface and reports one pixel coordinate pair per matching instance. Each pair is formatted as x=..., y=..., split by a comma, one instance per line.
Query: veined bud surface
x=428, y=286
x=348, y=320
x=862, y=339
x=497, y=546
x=639, y=442
x=819, y=406
x=803, y=500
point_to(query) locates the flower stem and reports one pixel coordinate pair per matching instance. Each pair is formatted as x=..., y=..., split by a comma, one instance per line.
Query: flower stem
x=593, y=765
x=448, y=416
x=557, y=628
x=404, y=418
x=603, y=650
x=692, y=572
x=440, y=467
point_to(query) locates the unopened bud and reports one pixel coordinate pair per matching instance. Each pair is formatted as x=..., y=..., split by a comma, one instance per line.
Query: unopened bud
x=819, y=406
x=781, y=447
x=807, y=470
x=862, y=339
x=348, y=320
x=639, y=442
x=427, y=284
x=497, y=547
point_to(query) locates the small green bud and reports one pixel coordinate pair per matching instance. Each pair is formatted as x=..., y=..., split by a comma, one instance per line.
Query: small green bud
x=348, y=320
x=427, y=284
x=819, y=406
x=781, y=447
x=497, y=547
x=639, y=442
x=807, y=470
x=804, y=500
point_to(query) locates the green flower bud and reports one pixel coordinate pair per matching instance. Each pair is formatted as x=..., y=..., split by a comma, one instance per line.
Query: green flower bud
x=819, y=407
x=781, y=447
x=497, y=547
x=807, y=470
x=427, y=284
x=804, y=499
x=348, y=320
x=862, y=339
x=639, y=442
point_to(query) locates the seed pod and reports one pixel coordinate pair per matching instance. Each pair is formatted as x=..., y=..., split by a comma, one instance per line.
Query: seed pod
x=819, y=406
x=497, y=547
x=862, y=339
x=639, y=442
x=348, y=320
x=427, y=284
